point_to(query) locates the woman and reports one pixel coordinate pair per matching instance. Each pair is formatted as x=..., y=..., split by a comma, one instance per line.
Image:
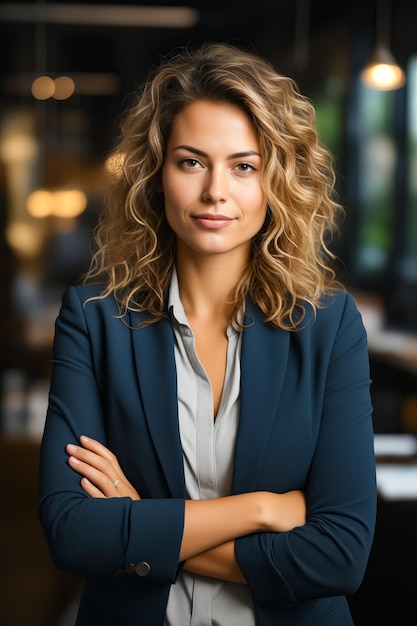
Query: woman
x=208, y=449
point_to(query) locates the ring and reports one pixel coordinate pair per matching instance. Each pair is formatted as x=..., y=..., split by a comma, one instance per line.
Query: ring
x=116, y=483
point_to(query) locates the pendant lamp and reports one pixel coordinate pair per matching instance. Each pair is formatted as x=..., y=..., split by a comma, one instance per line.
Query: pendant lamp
x=382, y=71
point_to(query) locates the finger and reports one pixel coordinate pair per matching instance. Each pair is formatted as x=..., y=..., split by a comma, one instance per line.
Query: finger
x=94, y=475
x=102, y=468
x=91, y=489
x=105, y=465
x=97, y=447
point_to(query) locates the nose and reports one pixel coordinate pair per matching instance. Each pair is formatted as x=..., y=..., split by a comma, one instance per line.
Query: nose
x=216, y=186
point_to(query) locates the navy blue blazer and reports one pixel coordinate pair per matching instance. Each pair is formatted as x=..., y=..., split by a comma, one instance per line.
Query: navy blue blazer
x=305, y=423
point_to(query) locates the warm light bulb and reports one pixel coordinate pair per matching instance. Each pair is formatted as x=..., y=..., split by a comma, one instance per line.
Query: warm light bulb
x=68, y=203
x=382, y=71
x=64, y=88
x=383, y=76
x=43, y=87
x=23, y=238
x=40, y=203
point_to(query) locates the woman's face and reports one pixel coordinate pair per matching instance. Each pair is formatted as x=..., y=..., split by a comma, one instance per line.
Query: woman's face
x=211, y=180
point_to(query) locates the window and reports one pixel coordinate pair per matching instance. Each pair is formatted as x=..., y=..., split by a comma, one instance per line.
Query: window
x=376, y=167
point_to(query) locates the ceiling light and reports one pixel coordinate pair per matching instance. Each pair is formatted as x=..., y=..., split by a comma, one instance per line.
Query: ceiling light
x=100, y=14
x=65, y=203
x=43, y=87
x=64, y=88
x=382, y=72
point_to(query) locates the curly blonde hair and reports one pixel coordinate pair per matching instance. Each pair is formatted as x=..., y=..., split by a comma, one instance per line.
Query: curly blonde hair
x=291, y=263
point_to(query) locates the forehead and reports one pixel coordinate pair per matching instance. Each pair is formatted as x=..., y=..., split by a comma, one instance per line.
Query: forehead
x=205, y=118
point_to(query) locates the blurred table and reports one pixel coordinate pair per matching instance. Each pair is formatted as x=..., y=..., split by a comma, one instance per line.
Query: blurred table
x=393, y=346
x=387, y=594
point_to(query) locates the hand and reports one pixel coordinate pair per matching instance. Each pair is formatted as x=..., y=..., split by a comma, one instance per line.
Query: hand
x=101, y=474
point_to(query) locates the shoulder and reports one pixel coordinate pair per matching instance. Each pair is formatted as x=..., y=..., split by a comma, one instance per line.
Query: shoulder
x=338, y=304
x=85, y=305
x=83, y=292
x=338, y=316
x=87, y=301
x=334, y=308
x=82, y=296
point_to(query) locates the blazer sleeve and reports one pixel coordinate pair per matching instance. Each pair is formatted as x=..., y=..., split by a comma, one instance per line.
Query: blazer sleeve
x=328, y=555
x=93, y=536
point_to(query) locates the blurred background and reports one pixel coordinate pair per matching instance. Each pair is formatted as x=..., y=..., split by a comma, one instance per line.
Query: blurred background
x=67, y=72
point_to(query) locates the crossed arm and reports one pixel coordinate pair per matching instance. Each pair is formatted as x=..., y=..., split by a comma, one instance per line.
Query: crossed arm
x=210, y=526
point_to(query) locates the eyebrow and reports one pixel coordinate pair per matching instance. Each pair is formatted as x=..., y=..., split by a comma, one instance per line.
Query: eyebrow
x=236, y=155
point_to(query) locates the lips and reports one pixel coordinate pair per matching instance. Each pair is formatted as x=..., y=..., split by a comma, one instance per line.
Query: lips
x=208, y=220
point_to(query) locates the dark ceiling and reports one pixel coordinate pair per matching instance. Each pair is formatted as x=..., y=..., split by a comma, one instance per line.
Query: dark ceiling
x=270, y=25
x=308, y=39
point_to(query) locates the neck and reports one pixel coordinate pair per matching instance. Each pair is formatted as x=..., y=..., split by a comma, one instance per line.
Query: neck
x=206, y=284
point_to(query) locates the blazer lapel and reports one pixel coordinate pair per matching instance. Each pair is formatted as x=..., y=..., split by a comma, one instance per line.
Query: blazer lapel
x=154, y=354
x=263, y=366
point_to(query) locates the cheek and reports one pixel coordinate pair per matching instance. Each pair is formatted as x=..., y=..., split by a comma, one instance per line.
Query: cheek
x=174, y=208
x=171, y=212
x=176, y=194
x=258, y=219
x=254, y=198
x=170, y=199
x=259, y=214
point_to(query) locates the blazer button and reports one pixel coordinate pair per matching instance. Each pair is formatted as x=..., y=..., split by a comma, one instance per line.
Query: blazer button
x=142, y=568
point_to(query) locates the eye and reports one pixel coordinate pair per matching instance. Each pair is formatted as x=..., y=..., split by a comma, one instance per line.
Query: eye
x=245, y=167
x=190, y=163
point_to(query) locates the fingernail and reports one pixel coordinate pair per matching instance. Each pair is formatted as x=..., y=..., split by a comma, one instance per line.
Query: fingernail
x=84, y=438
x=71, y=448
x=73, y=460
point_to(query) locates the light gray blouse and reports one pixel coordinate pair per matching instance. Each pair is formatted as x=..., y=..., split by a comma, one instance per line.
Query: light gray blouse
x=208, y=450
